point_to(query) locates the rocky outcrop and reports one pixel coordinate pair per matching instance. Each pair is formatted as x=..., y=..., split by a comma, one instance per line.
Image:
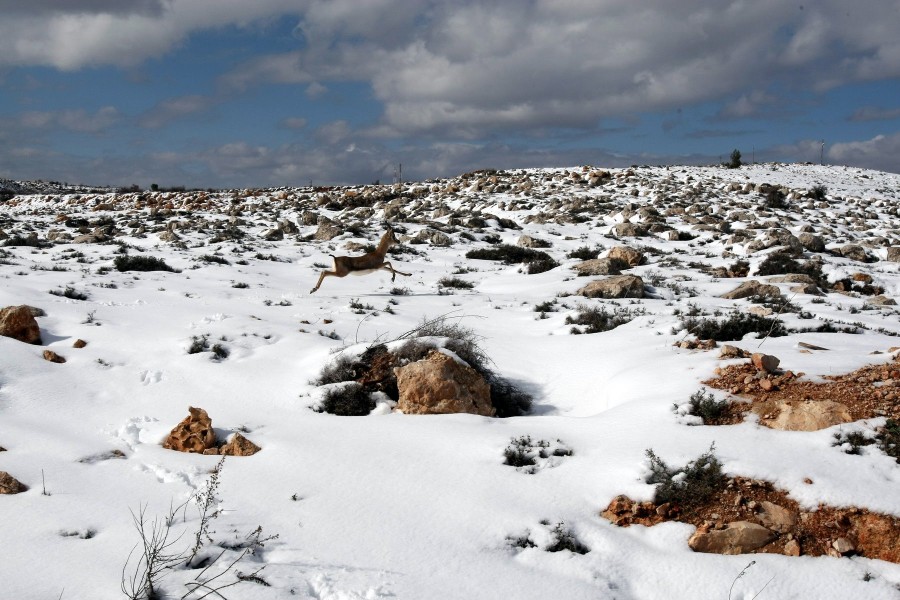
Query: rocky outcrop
x=194, y=434
x=18, y=323
x=629, y=256
x=621, y=286
x=440, y=385
x=327, y=230
x=238, y=445
x=803, y=415
x=10, y=485
x=751, y=288
x=739, y=537
x=598, y=266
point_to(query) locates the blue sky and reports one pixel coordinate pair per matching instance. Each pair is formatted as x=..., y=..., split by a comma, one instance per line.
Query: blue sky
x=229, y=93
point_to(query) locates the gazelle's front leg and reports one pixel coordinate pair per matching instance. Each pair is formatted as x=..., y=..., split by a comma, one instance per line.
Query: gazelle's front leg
x=321, y=277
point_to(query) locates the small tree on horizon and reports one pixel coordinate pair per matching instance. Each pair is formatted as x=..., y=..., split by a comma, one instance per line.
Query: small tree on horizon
x=735, y=161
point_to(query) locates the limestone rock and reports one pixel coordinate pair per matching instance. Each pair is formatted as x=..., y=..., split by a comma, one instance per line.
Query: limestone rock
x=881, y=301
x=238, y=445
x=854, y=252
x=777, y=518
x=194, y=434
x=876, y=536
x=526, y=241
x=327, y=230
x=597, y=266
x=765, y=362
x=628, y=230
x=10, y=485
x=79, y=343
x=811, y=242
x=627, y=255
x=843, y=545
x=738, y=537
x=893, y=254
x=733, y=352
x=439, y=384
x=792, y=548
x=621, y=286
x=808, y=415
x=54, y=357
x=753, y=288
x=18, y=323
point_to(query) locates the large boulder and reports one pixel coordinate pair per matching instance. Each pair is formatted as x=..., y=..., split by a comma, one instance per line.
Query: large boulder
x=629, y=256
x=194, y=434
x=598, y=266
x=738, y=537
x=854, y=252
x=327, y=230
x=18, y=323
x=752, y=288
x=621, y=286
x=804, y=415
x=439, y=384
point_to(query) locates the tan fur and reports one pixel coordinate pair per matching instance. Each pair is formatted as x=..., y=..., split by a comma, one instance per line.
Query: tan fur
x=365, y=264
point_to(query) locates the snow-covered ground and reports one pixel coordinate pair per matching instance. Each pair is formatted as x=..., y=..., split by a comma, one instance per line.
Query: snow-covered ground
x=405, y=506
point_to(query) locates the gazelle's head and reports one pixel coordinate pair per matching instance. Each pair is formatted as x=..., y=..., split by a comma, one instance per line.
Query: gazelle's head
x=391, y=236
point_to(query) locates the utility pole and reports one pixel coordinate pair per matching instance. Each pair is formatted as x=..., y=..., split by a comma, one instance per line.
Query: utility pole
x=822, y=154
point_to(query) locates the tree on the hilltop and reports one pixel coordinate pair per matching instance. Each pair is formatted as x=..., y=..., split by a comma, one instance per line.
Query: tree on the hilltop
x=735, y=161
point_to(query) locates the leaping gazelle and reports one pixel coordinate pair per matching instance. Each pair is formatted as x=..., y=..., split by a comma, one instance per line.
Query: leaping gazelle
x=365, y=264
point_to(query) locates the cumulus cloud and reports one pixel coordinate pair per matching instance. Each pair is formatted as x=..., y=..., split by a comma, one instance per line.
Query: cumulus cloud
x=874, y=113
x=882, y=152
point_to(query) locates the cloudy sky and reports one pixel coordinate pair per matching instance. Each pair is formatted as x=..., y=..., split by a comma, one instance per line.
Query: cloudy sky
x=228, y=93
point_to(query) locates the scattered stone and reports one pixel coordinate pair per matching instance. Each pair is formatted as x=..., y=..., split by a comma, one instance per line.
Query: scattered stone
x=813, y=243
x=439, y=384
x=881, y=301
x=597, y=266
x=733, y=352
x=753, y=288
x=79, y=343
x=526, y=241
x=11, y=485
x=238, y=445
x=18, y=323
x=53, y=357
x=738, y=537
x=843, y=545
x=194, y=434
x=621, y=286
x=765, y=362
x=893, y=254
x=792, y=548
x=629, y=256
x=777, y=518
x=327, y=230
x=854, y=252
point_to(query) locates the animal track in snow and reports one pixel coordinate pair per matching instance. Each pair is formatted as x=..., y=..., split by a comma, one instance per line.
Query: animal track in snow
x=148, y=377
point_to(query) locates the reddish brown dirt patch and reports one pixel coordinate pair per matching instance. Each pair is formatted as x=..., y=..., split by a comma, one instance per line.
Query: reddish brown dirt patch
x=813, y=533
x=869, y=392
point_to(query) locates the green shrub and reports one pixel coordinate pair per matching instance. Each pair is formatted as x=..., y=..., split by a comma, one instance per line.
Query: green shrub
x=735, y=327
x=212, y=258
x=350, y=400
x=706, y=406
x=141, y=263
x=70, y=293
x=455, y=283
x=690, y=485
x=564, y=539
x=779, y=263
x=508, y=254
x=584, y=253
x=735, y=159
x=540, y=266
x=596, y=319
x=888, y=439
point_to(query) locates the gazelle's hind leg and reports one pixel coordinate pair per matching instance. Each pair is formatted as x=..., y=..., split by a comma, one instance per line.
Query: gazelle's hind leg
x=388, y=267
x=321, y=277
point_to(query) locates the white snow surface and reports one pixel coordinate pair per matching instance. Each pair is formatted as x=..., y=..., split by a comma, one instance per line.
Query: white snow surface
x=405, y=506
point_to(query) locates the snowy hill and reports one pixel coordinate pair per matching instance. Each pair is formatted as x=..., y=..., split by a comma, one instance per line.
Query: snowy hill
x=393, y=505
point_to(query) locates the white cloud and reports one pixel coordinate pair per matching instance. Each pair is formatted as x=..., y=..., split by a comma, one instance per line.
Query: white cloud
x=78, y=120
x=882, y=152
